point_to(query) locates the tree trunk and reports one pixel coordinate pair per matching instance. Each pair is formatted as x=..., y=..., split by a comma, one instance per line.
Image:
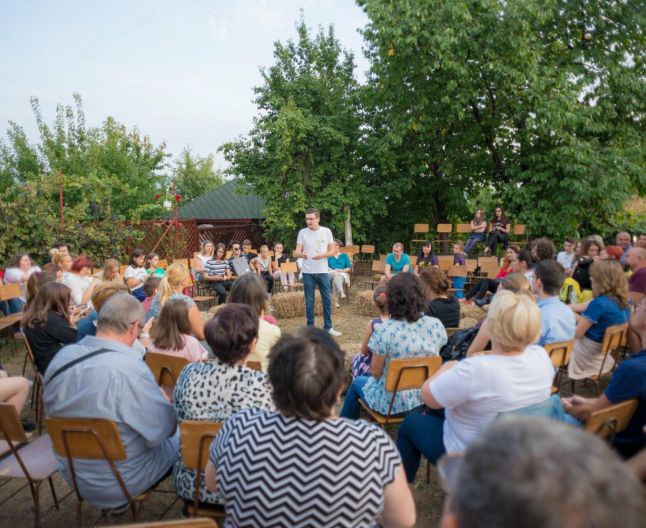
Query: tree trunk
x=348, y=226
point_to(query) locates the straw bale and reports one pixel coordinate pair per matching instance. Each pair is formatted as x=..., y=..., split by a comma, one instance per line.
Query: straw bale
x=363, y=304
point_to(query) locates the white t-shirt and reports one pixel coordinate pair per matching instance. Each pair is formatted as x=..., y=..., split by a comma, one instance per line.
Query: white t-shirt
x=78, y=284
x=136, y=273
x=478, y=388
x=314, y=243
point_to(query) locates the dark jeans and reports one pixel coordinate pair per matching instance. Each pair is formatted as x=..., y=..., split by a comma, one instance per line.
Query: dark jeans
x=322, y=281
x=420, y=434
x=480, y=288
x=495, y=238
x=351, y=408
x=474, y=238
x=220, y=288
x=269, y=280
x=139, y=294
x=11, y=306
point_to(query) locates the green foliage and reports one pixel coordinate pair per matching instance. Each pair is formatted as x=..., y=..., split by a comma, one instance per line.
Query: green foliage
x=194, y=175
x=303, y=149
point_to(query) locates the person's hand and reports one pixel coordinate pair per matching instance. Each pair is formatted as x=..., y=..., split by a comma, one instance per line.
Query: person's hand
x=572, y=401
x=148, y=326
x=3, y=374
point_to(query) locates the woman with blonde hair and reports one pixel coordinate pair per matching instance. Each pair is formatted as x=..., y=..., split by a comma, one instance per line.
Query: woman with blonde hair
x=110, y=271
x=608, y=307
x=171, y=287
x=515, y=374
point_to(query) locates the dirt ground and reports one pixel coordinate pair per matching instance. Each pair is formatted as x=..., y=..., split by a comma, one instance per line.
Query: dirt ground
x=18, y=510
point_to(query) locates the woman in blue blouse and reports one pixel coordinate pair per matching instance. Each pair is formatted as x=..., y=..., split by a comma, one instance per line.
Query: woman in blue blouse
x=407, y=334
x=609, y=307
x=340, y=267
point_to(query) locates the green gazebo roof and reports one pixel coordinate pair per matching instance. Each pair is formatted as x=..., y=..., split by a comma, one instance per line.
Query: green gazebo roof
x=224, y=203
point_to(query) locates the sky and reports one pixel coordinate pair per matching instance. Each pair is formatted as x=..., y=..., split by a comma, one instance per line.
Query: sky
x=183, y=72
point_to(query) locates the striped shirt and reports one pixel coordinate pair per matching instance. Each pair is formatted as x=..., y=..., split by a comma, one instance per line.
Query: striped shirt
x=216, y=268
x=282, y=471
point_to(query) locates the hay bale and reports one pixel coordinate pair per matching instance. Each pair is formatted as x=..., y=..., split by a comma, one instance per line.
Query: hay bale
x=471, y=311
x=363, y=304
x=292, y=304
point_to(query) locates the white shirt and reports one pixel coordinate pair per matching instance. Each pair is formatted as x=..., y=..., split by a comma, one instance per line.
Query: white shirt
x=566, y=259
x=78, y=284
x=136, y=273
x=478, y=388
x=315, y=243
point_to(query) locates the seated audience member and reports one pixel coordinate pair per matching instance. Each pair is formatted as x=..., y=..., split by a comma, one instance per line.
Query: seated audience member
x=440, y=305
x=425, y=258
x=110, y=271
x=567, y=257
x=150, y=290
x=80, y=281
x=207, y=252
x=622, y=239
x=608, y=307
x=216, y=389
x=612, y=253
x=361, y=362
x=543, y=249
x=340, y=267
x=18, y=271
x=87, y=325
x=407, y=334
x=217, y=273
x=397, y=261
x=641, y=241
x=286, y=279
x=36, y=281
x=246, y=250
x=478, y=231
x=153, y=267
x=524, y=264
x=514, y=282
x=48, y=323
x=250, y=290
x=636, y=260
x=576, y=481
x=499, y=227
x=171, y=287
x=171, y=333
x=238, y=263
x=59, y=248
x=63, y=263
x=127, y=393
x=358, y=479
x=581, y=271
x=557, y=320
x=15, y=390
x=472, y=392
x=479, y=290
x=135, y=274
x=458, y=260
x=264, y=268
x=627, y=382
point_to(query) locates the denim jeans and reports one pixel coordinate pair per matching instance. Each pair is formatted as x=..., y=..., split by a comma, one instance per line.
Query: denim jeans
x=351, y=408
x=420, y=434
x=310, y=282
x=474, y=238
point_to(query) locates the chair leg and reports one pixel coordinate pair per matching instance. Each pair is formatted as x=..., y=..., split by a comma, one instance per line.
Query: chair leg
x=79, y=512
x=36, y=496
x=51, y=487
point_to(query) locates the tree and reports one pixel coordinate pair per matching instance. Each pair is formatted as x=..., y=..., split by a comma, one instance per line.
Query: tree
x=195, y=175
x=303, y=148
x=540, y=102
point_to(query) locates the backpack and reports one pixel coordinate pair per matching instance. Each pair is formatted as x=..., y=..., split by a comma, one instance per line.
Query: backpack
x=458, y=344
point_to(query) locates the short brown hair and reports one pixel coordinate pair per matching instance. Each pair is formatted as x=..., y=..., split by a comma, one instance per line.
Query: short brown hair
x=314, y=211
x=249, y=289
x=406, y=299
x=231, y=332
x=307, y=372
x=435, y=280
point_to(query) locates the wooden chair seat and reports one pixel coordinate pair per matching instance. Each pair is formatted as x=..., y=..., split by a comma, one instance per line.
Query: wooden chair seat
x=379, y=418
x=38, y=456
x=197, y=522
x=10, y=320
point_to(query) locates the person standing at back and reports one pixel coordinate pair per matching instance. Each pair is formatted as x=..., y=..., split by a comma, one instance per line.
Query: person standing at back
x=314, y=245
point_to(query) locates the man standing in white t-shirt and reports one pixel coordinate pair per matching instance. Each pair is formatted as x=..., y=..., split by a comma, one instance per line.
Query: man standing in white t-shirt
x=314, y=245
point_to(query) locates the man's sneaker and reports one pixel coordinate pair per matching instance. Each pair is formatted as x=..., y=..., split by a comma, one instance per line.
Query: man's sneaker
x=334, y=332
x=337, y=305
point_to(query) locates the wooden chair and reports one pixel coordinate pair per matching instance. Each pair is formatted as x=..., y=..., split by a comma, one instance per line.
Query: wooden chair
x=519, y=232
x=33, y=461
x=291, y=267
x=445, y=262
x=94, y=439
x=165, y=368
x=606, y=423
x=463, y=229
x=7, y=293
x=559, y=354
x=378, y=268
x=254, y=365
x=403, y=374
x=420, y=234
x=196, y=522
x=614, y=339
x=367, y=251
x=195, y=439
x=450, y=331
x=37, y=384
x=443, y=239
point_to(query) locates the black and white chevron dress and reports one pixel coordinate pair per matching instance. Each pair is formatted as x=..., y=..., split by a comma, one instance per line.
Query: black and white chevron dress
x=276, y=471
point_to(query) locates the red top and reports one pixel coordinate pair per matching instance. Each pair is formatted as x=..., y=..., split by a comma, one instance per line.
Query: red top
x=503, y=272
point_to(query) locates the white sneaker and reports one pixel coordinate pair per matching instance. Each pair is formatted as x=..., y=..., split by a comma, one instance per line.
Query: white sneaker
x=337, y=305
x=334, y=332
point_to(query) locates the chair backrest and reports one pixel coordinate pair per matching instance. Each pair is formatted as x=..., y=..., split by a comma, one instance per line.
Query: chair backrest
x=444, y=228
x=289, y=267
x=519, y=229
x=254, y=365
x=471, y=264
x=486, y=261
x=382, y=258
x=93, y=438
x=184, y=261
x=463, y=228
x=195, y=439
x=378, y=266
x=615, y=336
x=352, y=249
x=450, y=331
x=10, y=426
x=611, y=420
x=10, y=291
x=445, y=262
x=559, y=352
x=458, y=271
x=163, y=263
x=165, y=368
x=411, y=373
x=367, y=249
x=421, y=228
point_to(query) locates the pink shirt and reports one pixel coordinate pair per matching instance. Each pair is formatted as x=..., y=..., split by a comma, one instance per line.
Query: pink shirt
x=192, y=350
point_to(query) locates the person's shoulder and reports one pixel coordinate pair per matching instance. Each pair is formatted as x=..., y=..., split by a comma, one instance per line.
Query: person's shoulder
x=269, y=328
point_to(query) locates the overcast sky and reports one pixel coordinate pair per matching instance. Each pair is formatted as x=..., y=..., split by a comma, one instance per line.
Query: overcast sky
x=181, y=71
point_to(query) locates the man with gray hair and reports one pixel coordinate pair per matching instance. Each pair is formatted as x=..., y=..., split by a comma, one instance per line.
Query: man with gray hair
x=533, y=472
x=103, y=377
x=622, y=239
